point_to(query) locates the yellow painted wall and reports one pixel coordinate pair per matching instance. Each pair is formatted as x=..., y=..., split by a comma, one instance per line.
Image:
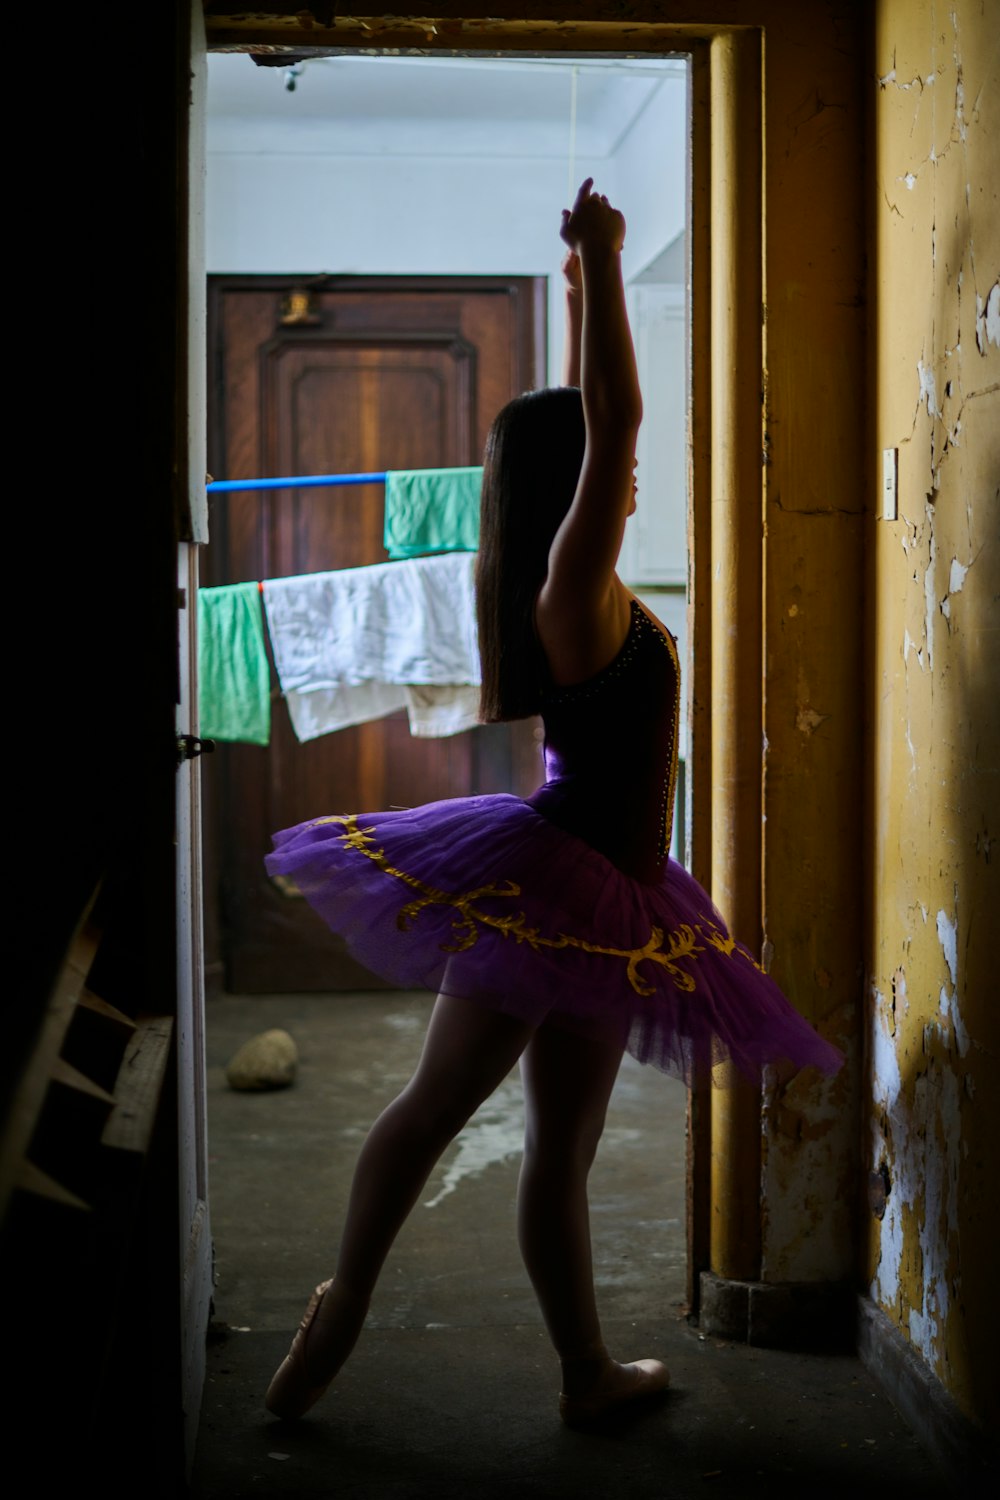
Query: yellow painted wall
x=933, y=898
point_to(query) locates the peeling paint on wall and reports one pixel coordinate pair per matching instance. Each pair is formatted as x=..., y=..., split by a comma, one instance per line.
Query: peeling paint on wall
x=800, y=1234
x=947, y=932
x=936, y=729
x=948, y=1007
x=916, y=1133
x=956, y=579
x=930, y=599
x=988, y=318
x=957, y=576
x=928, y=389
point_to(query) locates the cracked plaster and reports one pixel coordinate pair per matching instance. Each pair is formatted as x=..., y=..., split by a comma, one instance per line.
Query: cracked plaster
x=937, y=381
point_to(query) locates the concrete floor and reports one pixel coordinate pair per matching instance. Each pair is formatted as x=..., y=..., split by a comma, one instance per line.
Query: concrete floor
x=453, y=1388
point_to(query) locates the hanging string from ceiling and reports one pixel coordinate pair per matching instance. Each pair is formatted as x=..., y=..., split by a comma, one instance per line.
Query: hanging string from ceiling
x=571, y=183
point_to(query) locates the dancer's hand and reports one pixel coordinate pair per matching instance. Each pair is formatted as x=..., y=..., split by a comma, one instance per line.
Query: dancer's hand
x=572, y=273
x=592, y=223
x=573, y=286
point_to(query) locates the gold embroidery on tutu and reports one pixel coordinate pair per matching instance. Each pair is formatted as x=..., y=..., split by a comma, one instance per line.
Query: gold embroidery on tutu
x=681, y=943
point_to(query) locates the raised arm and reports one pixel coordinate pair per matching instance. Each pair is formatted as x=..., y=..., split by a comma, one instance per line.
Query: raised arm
x=573, y=285
x=582, y=610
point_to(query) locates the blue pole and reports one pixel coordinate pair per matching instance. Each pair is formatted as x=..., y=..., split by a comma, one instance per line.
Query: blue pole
x=313, y=480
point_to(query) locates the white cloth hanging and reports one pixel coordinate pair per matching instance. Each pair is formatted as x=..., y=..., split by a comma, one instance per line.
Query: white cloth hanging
x=433, y=712
x=356, y=644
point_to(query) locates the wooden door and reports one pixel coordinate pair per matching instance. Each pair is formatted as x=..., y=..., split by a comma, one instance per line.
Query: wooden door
x=333, y=375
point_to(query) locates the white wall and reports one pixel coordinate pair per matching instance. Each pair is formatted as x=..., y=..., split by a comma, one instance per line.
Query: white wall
x=650, y=176
x=289, y=198
x=385, y=216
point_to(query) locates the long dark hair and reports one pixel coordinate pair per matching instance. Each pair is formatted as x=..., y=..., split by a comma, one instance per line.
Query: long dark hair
x=534, y=453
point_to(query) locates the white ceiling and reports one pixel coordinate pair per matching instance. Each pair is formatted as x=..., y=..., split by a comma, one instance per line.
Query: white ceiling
x=442, y=106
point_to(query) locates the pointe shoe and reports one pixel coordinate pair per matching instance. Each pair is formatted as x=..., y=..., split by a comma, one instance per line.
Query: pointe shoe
x=650, y=1377
x=293, y=1390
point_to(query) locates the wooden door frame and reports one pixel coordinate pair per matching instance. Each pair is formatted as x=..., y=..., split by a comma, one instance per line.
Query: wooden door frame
x=728, y=382
x=601, y=38
x=695, y=42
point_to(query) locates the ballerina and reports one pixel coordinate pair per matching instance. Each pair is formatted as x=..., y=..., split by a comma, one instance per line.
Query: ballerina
x=555, y=930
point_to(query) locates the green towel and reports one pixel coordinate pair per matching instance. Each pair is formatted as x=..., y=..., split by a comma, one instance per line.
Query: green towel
x=431, y=510
x=234, y=678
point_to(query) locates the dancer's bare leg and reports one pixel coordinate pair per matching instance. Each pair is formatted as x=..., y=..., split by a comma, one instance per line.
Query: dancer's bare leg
x=568, y=1079
x=468, y=1051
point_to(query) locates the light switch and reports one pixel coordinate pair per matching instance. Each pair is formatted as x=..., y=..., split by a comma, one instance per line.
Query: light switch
x=890, y=471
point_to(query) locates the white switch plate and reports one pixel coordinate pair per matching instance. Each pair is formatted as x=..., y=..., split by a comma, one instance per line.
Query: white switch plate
x=890, y=471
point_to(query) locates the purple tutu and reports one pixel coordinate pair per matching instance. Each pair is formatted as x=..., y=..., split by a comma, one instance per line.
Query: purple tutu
x=485, y=898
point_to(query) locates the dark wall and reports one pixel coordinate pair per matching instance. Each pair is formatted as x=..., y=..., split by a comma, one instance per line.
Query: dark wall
x=95, y=309
x=95, y=339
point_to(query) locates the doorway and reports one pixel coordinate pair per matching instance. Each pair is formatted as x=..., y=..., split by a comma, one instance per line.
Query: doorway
x=585, y=130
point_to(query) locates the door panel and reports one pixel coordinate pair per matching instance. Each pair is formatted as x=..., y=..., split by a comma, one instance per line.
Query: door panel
x=343, y=375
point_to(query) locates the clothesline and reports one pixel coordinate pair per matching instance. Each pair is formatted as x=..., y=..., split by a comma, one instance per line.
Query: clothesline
x=354, y=644
x=315, y=481
x=298, y=482
x=349, y=645
x=426, y=510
